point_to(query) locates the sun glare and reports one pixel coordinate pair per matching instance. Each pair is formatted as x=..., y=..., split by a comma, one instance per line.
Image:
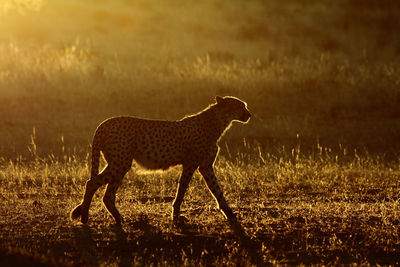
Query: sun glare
x=20, y=5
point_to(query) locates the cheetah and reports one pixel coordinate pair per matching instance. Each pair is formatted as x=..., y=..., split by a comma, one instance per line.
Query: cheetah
x=155, y=144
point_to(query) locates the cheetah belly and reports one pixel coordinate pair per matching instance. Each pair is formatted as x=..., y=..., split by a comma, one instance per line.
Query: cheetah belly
x=158, y=146
x=157, y=158
x=153, y=164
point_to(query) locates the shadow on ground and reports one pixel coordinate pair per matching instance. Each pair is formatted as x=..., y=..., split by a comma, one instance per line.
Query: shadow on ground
x=146, y=239
x=146, y=244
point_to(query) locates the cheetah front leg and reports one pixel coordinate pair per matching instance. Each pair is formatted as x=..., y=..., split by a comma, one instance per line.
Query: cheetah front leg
x=186, y=176
x=207, y=172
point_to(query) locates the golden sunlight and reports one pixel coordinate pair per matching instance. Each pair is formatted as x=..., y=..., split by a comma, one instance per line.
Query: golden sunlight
x=20, y=5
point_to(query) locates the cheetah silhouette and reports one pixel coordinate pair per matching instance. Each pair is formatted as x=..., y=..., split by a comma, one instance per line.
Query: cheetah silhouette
x=155, y=144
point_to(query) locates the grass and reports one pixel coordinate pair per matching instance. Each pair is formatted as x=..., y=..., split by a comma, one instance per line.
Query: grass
x=313, y=177
x=295, y=210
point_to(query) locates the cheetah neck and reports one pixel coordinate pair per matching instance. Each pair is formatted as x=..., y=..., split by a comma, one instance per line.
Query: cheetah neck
x=218, y=123
x=212, y=120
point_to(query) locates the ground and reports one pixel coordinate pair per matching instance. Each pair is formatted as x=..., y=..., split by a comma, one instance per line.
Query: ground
x=323, y=221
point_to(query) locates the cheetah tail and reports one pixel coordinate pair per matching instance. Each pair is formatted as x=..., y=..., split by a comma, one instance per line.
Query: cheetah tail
x=95, y=160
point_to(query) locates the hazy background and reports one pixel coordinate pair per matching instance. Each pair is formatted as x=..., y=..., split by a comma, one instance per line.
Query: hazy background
x=312, y=72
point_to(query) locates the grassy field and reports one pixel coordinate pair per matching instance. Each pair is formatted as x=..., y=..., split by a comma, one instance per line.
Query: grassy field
x=314, y=176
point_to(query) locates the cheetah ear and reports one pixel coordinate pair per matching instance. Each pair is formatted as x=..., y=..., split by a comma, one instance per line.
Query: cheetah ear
x=219, y=99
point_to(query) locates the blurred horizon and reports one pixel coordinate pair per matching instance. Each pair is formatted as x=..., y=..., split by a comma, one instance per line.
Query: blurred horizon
x=357, y=29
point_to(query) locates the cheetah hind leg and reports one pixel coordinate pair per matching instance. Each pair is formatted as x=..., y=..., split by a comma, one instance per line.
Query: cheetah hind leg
x=109, y=201
x=76, y=213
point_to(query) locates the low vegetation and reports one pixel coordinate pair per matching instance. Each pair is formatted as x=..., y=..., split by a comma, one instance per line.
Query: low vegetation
x=295, y=209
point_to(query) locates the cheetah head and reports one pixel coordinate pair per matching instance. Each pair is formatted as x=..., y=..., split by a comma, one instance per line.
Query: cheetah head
x=233, y=109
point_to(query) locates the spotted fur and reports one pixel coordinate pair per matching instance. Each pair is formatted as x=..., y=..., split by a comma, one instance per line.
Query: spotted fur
x=154, y=144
